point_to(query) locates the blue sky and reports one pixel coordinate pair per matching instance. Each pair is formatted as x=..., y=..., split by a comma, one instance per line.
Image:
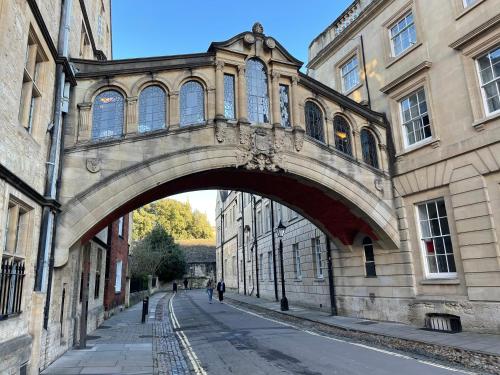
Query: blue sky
x=144, y=28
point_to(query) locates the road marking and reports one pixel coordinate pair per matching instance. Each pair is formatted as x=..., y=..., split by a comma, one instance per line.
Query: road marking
x=355, y=344
x=195, y=362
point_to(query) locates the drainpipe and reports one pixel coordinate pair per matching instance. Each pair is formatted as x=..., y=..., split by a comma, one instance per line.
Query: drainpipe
x=364, y=69
x=255, y=245
x=222, y=240
x=243, y=248
x=274, y=253
x=45, y=260
x=333, y=302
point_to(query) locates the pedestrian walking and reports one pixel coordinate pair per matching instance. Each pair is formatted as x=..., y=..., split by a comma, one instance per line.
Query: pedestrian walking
x=185, y=282
x=210, y=290
x=174, y=287
x=221, y=289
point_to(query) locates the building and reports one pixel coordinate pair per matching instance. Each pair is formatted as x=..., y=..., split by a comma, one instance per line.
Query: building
x=35, y=77
x=441, y=99
x=117, y=284
x=200, y=262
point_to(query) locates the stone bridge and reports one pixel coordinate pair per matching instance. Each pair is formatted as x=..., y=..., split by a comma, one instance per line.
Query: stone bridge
x=240, y=116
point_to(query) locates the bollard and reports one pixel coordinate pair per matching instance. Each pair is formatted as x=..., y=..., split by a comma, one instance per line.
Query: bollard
x=145, y=303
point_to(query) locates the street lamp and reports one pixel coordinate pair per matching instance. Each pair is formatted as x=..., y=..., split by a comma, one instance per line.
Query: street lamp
x=280, y=231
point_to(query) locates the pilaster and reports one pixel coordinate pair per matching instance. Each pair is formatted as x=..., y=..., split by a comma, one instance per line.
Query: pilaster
x=242, y=95
x=84, y=122
x=132, y=120
x=276, y=110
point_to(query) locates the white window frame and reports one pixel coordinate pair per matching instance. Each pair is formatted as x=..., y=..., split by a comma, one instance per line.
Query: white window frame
x=468, y=3
x=420, y=116
x=481, y=84
x=297, y=263
x=316, y=245
x=423, y=251
x=118, y=276
x=121, y=221
x=344, y=75
x=407, y=27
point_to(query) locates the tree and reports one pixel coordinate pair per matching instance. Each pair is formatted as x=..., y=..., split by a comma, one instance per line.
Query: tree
x=175, y=217
x=157, y=254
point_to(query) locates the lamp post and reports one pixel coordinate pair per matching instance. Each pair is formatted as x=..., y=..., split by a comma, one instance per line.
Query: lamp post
x=280, y=230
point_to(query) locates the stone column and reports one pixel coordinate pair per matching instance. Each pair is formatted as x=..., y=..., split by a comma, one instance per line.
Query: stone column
x=275, y=76
x=219, y=90
x=356, y=145
x=296, y=121
x=174, y=110
x=384, y=165
x=242, y=95
x=132, y=120
x=84, y=122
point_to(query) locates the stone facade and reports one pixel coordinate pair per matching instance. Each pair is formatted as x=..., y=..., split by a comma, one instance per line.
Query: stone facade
x=200, y=262
x=29, y=33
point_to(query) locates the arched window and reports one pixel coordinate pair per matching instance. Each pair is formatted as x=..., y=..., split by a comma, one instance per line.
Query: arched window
x=369, y=257
x=369, y=148
x=152, y=109
x=192, y=103
x=314, y=121
x=107, y=118
x=258, y=98
x=342, y=135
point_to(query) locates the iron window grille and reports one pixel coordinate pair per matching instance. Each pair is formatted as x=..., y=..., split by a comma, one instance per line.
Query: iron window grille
x=342, y=135
x=370, y=269
x=108, y=115
x=415, y=118
x=403, y=35
x=314, y=122
x=192, y=103
x=350, y=74
x=229, y=97
x=489, y=74
x=11, y=286
x=284, y=106
x=436, y=239
x=369, y=148
x=152, y=113
x=257, y=92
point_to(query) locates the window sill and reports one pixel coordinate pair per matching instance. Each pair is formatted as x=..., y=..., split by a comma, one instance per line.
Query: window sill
x=351, y=90
x=10, y=316
x=394, y=59
x=434, y=142
x=443, y=281
x=371, y=277
x=297, y=280
x=479, y=125
x=468, y=9
x=319, y=280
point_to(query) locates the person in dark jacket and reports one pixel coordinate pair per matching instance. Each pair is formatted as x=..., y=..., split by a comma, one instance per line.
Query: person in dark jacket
x=174, y=287
x=185, y=282
x=221, y=289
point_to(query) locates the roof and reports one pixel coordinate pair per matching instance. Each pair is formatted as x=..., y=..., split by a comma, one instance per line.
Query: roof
x=198, y=251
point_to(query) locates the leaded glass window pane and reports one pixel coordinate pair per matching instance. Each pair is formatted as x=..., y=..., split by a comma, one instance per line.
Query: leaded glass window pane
x=192, y=104
x=369, y=148
x=370, y=268
x=152, y=109
x=284, y=106
x=314, y=121
x=435, y=238
x=489, y=73
x=342, y=135
x=229, y=107
x=258, y=98
x=415, y=118
x=403, y=35
x=107, y=117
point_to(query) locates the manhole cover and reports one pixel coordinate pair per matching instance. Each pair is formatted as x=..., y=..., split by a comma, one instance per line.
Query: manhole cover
x=366, y=323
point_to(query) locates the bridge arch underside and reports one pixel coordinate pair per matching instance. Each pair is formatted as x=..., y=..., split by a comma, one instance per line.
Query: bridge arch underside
x=342, y=216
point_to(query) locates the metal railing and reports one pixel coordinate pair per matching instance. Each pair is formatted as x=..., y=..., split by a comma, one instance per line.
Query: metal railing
x=11, y=287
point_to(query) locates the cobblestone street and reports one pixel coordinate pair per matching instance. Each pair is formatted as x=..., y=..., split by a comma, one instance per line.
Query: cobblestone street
x=122, y=345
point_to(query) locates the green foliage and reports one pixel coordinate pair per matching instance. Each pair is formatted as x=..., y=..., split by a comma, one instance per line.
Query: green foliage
x=175, y=217
x=157, y=254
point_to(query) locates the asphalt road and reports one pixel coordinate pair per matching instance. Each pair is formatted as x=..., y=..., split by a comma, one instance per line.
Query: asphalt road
x=226, y=340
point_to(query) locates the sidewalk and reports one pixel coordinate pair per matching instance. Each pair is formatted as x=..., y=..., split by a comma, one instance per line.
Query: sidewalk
x=123, y=345
x=468, y=348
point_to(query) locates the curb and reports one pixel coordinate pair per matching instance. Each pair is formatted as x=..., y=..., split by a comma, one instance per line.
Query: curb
x=473, y=360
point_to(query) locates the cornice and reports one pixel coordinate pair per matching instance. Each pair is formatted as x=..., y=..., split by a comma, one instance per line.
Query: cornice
x=406, y=76
x=464, y=40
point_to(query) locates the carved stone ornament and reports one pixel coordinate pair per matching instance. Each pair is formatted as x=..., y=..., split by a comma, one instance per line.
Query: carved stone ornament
x=259, y=150
x=270, y=43
x=379, y=185
x=220, y=131
x=249, y=38
x=298, y=135
x=258, y=28
x=93, y=165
